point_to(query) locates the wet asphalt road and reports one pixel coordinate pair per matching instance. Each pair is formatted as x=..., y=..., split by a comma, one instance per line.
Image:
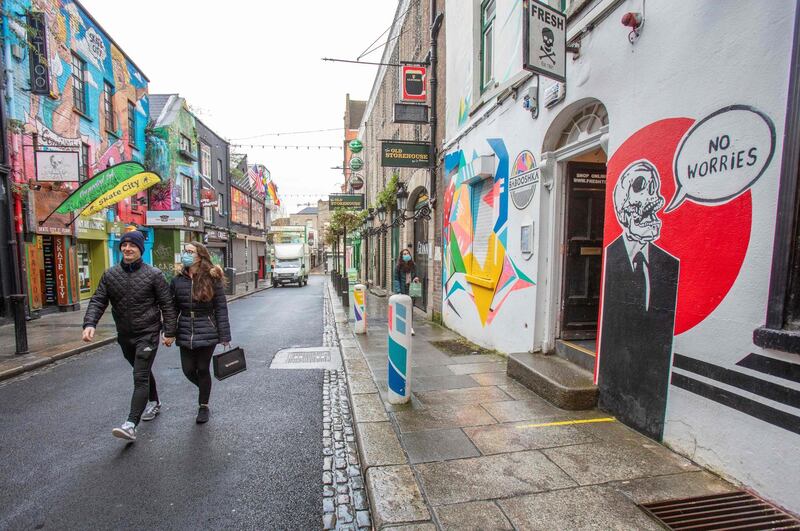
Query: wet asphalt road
x=256, y=465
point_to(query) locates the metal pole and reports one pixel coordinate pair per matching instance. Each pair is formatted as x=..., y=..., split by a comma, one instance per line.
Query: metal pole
x=436, y=24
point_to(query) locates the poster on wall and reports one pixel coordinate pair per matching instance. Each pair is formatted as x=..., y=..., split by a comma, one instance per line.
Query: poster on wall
x=60, y=166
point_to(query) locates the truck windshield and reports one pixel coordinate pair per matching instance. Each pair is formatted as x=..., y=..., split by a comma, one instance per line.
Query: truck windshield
x=287, y=237
x=288, y=263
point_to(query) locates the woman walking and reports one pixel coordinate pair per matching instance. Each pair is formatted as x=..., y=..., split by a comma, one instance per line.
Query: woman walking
x=202, y=318
x=405, y=272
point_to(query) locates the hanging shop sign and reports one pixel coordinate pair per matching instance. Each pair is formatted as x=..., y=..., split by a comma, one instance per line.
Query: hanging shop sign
x=356, y=182
x=346, y=201
x=134, y=185
x=413, y=81
x=213, y=235
x=98, y=185
x=410, y=113
x=61, y=166
x=165, y=218
x=42, y=203
x=405, y=154
x=544, y=38
x=356, y=163
x=208, y=197
x=355, y=145
x=39, y=64
x=195, y=223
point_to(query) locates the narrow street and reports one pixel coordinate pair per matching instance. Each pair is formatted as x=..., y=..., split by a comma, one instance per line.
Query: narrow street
x=256, y=465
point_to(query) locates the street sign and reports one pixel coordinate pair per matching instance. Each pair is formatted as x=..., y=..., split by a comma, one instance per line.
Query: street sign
x=413, y=83
x=410, y=113
x=545, y=41
x=405, y=154
x=346, y=201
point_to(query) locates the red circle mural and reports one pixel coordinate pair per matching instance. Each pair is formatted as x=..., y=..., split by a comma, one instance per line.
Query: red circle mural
x=709, y=240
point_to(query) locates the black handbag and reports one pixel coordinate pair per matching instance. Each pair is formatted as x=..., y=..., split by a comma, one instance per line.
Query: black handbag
x=229, y=362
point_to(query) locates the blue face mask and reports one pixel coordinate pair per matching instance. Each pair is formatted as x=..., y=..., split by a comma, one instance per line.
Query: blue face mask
x=406, y=258
x=187, y=259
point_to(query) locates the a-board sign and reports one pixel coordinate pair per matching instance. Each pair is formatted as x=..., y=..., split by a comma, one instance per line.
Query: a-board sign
x=405, y=154
x=346, y=201
x=545, y=41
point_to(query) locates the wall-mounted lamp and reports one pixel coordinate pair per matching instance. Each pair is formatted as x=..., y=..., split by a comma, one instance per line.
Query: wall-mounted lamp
x=635, y=21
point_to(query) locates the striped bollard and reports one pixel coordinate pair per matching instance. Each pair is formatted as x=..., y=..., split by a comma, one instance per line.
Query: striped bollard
x=400, y=316
x=360, y=308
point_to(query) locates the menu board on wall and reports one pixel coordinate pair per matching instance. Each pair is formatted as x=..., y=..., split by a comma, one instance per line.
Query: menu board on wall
x=48, y=254
x=240, y=207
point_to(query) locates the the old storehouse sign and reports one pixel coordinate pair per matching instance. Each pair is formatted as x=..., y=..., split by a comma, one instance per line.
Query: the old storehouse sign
x=405, y=154
x=545, y=41
x=346, y=201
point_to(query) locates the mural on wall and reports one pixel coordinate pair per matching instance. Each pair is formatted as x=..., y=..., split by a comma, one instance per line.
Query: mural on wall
x=168, y=158
x=666, y=269
x=478, y=274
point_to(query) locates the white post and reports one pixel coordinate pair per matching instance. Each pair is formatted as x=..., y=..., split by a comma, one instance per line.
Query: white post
x=360, y=308
x=399, y=371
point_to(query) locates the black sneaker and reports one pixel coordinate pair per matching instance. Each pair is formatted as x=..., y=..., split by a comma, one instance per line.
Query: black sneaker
x=203, y=414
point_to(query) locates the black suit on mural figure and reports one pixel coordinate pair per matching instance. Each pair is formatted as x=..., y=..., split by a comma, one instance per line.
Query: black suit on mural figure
x=639, y=298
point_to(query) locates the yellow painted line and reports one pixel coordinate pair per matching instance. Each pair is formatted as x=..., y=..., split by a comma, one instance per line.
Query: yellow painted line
x=580, y=348
x=568, y=422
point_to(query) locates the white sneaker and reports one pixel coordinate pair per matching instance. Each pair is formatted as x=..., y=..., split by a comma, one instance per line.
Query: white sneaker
x=151, y=411
x=412, y=331
x=127, y=431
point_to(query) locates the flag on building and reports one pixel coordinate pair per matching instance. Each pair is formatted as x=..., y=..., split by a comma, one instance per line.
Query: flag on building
x=272, y=188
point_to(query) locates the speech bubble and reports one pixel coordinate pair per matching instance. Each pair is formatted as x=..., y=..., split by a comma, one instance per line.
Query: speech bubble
x=723, y=155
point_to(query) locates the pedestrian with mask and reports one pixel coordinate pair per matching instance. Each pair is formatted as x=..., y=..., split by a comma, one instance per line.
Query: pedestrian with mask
x=141, y=304
x=199, y=295
x=405, y=272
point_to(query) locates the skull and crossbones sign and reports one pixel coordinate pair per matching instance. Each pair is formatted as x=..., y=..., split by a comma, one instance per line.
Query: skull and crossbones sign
x=548, y=39
x=637, y=200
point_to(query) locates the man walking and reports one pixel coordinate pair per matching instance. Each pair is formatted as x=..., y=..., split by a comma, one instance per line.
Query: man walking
x=140, y=297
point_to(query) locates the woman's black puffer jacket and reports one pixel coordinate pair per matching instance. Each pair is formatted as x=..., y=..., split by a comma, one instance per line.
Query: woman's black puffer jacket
x=200, y=324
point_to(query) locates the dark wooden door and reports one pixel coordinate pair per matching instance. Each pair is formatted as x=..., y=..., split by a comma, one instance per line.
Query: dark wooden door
x=583, y=250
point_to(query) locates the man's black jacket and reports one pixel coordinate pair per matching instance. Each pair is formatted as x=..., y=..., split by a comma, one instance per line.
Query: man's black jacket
x=139, y=297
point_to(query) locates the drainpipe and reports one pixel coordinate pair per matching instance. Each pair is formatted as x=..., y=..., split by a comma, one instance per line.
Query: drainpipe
x=436, y=25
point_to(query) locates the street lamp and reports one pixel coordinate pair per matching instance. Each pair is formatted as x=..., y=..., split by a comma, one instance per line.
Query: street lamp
x=402, y=198
x=381, y=214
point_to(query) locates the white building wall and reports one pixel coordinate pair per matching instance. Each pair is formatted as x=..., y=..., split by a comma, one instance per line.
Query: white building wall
x=692, y=59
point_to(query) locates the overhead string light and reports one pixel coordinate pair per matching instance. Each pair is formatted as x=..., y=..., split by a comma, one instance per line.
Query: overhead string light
x=287, y=146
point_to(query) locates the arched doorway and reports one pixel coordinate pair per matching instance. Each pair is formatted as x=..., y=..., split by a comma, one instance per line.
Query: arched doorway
x=421, y=209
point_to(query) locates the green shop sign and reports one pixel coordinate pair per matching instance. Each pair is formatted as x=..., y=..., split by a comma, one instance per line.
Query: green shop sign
x=356, y=146
x=98, y=185
x=405, y=154
x=346, y=201
x=356, y=163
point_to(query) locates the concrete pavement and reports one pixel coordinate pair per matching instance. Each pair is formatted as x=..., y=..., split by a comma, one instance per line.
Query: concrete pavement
x=474, y=449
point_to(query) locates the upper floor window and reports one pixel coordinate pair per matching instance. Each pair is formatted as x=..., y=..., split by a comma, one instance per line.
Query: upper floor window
x=220, y=176
x=221, y=204
x=487, y=42
x=184, y=143
x=131, y=123
x=83, y=169
x=108, y=106
x=208, y=214
x=187, y=190
x=78, y=84
x=205, y=159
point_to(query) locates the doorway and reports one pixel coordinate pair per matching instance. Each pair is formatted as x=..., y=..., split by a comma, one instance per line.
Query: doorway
x=583, y=250
x=421, y=248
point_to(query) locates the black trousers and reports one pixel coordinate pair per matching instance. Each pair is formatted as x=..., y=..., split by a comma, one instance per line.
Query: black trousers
x=140, y=351
x=196, y=365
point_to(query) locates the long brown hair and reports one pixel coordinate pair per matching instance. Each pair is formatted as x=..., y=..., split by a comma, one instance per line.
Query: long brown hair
x=404, y=266
x=206, y=275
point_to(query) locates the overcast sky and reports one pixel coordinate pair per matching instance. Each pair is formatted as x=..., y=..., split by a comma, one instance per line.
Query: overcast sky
x=249, y=68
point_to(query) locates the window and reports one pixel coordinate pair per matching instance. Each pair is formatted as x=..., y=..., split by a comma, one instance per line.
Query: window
x=131, y=123
x=208, y=214
x=205, y=159
x=187, y=190
x=108, y=106
x=220, y=176
x=487, y=43
x=185, y=144
x=79, y=84
x=221, y=204
x=83, y=170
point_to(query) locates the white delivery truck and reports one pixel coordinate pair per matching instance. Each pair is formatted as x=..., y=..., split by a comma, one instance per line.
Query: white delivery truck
x=292, y=255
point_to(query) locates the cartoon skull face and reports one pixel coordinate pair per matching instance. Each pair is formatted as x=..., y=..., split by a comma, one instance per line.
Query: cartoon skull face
x=637, y=200
x=548, y=39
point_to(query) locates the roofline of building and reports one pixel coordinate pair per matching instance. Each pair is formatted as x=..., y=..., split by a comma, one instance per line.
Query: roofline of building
x=212, y=131
x=90, y=17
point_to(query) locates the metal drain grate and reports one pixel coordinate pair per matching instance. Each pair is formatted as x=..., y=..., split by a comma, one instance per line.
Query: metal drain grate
x=733, y=510
x=307, y=358
x=312, y=356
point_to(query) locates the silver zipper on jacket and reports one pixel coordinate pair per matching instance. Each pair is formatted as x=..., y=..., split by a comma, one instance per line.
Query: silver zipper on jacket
x=191, y=311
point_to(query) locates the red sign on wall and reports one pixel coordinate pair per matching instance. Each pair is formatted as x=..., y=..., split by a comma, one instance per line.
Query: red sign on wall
x=413, y=83
x=60, y=259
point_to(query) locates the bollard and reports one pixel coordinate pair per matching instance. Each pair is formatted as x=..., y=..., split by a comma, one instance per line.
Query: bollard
x=360, y=309
x=400, y=323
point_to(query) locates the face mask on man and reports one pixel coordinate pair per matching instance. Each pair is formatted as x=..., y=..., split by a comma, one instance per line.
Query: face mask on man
x=187, y=259
x=406, y=257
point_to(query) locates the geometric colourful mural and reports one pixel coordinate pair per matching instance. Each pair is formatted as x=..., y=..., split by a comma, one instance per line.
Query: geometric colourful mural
x=476, y=236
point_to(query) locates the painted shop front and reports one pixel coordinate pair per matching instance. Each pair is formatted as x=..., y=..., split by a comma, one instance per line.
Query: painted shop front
x=631, y=212
x=92, y=251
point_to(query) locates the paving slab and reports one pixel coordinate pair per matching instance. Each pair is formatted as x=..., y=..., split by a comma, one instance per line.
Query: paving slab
x=437, y=445
x=517, y=437
x=685, y=485
x=472, y=516
x=496, y=476
x=439, y=383
x=518, y=391
x=474, y=368
x=426, y=526
x=378, y=445
x=351, y=353
x=369, y=408
x=442, y=417
x=605, y=461
x=477, y=358
x=599, y=507
x=492, y=378
x=361, y=384
x=395, y=496
x=517, y=410
x=470, y=395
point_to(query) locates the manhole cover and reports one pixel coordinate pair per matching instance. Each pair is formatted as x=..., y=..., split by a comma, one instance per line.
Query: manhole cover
x=307, y=358
x=733, y=510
